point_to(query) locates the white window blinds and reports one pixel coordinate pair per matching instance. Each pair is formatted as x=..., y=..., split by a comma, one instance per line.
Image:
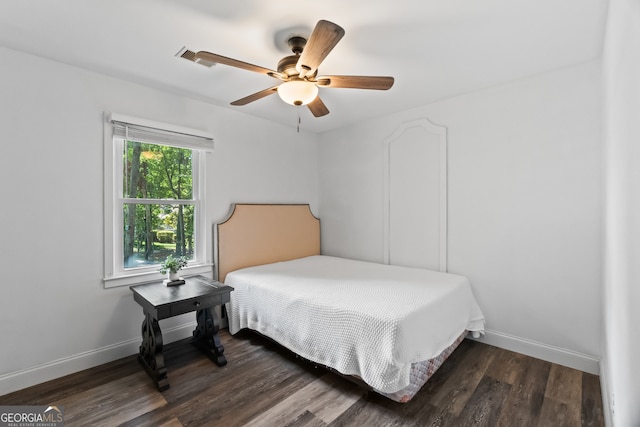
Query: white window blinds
x=178, y=137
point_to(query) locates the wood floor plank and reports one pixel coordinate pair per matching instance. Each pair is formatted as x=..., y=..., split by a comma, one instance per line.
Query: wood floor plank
x=229, y=391
x=45, y=393
x=174, y=422
x=564, y=384
x=508, y=367
x=374, y=410
x=525, y=399
x=269, y=372
x=478, y=385
x=422, y=409
x=485, y=405
x=458, y=388
x=102, y=407
x=352, y=413
x=155, y=418
x=592, y=414
x=238, y=403
x=307, y=419
x=334, y=396
x=326, y=398
x=556, y=413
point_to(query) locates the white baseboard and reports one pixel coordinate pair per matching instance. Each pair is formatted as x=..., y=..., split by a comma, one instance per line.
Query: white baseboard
x=550, y=353
x=24, y=378
x=18, y=380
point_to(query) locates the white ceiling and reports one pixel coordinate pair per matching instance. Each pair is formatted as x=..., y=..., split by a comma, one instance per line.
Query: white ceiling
x=434, y=48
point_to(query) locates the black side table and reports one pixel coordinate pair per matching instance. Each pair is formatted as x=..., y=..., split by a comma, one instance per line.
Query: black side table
x=158, y=302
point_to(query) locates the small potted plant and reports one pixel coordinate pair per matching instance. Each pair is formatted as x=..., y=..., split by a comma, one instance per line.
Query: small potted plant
x=172, y=265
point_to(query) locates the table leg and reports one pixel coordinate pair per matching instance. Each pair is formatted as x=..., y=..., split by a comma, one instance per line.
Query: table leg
x=206, y=336
x=151, y=352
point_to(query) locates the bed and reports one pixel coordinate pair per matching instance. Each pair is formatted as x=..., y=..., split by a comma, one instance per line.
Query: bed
x=389, y=327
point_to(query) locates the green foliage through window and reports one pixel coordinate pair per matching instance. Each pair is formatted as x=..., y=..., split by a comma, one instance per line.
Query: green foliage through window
x=159, y=209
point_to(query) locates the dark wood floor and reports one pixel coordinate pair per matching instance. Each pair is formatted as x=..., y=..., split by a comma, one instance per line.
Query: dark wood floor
x=264, y=385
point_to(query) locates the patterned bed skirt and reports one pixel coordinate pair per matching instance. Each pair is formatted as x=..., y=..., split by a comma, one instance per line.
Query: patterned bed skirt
x=421, y=372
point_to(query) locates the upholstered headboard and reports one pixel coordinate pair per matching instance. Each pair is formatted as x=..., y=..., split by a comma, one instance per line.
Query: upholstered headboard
x=256, y=234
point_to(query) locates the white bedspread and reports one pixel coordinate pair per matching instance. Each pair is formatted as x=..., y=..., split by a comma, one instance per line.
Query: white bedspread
x=360, y=318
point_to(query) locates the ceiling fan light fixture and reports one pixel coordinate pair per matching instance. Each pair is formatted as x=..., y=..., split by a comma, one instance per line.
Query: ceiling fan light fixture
x=298, y=92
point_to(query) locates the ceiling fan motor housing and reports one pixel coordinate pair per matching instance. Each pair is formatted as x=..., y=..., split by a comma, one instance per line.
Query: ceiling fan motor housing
x=287, y=65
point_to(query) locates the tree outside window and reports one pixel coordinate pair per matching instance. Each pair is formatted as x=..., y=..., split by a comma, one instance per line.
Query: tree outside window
x=158, y=208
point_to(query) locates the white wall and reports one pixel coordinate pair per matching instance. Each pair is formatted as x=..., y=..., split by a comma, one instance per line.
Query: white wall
x=55, y=315
x=620, y=372
x=524, y=206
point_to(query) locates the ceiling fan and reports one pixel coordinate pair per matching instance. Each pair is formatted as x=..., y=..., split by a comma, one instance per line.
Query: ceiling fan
x=299, y=72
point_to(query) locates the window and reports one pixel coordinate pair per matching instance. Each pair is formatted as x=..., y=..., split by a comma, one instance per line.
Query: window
x=154, y=205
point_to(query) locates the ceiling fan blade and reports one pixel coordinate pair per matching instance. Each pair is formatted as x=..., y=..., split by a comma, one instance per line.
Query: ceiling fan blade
x=356, y=82
x=255, y=96
x=322, y=40
x=219, y=59
x=317, y=107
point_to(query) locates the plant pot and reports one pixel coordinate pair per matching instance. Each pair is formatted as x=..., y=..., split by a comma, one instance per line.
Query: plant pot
x=173, y=276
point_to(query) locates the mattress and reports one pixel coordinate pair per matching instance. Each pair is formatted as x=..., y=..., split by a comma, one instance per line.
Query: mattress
x=369, y=320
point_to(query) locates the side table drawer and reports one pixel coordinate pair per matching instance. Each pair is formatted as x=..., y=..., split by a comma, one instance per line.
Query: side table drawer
x=195, y=304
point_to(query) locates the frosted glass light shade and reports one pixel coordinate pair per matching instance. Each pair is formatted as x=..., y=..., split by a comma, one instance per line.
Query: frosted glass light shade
x=298, y=92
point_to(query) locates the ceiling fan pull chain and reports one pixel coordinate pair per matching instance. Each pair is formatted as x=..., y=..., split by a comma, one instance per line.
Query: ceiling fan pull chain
x=299, y=120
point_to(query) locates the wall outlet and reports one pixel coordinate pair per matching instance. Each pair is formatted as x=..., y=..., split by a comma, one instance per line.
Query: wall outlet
x=613, y=403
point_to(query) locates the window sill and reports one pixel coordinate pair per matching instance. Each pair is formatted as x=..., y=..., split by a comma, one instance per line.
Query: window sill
x=152, y=276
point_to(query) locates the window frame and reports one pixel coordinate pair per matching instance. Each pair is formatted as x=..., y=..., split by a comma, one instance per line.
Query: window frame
x=114, y=272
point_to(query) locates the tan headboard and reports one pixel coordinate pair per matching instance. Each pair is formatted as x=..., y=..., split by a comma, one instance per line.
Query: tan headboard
x=256, y=234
